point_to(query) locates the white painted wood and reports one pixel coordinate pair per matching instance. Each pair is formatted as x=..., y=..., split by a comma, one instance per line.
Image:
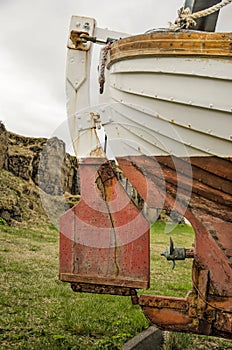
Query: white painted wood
x=81, y=121
x=152, y=105
x=183, y=100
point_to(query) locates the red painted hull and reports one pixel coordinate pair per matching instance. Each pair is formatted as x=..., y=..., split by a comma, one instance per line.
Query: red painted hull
x=201, y=190
x=198, y=188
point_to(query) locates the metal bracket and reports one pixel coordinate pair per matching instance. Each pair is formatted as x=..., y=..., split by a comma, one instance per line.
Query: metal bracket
x=82, y=28
x=172, y=254
x=79, y=39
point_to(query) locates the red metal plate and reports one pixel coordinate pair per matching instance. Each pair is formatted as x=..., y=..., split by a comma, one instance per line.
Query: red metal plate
x=104, y=239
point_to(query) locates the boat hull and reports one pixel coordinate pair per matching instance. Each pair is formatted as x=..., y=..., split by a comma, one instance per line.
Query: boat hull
x=167, y=117
x=170, y=131
x=170, y=94
x=202, y=195
x=104, y=240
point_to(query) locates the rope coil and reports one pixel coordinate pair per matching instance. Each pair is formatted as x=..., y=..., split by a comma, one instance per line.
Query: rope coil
x=102, y=65
x=187, y=19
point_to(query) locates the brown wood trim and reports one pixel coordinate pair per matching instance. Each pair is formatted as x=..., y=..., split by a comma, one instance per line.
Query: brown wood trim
x=172, y=44
x=122, y=282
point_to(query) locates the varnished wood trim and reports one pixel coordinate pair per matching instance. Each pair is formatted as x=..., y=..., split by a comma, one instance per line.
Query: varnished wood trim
x=172, y=44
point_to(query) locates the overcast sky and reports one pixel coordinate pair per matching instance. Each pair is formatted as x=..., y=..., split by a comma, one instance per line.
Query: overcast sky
x=33, y=36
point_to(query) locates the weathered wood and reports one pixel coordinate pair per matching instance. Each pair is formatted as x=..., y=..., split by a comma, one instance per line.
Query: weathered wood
x=172, y=43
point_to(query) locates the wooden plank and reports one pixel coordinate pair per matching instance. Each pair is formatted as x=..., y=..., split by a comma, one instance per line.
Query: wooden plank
x=101, y=280
x=171, y=43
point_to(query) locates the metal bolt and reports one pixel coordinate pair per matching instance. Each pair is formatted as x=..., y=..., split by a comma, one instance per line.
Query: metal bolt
x=87, y=26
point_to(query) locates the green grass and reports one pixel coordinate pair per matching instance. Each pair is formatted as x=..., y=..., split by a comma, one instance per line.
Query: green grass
x=164, y=279
x=183, y=341
x=40, y=312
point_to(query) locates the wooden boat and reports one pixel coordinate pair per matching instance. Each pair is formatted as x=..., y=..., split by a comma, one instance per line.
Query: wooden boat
x=167, y=116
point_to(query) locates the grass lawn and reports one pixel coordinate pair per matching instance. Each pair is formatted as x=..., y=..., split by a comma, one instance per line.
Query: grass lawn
x=37, y=311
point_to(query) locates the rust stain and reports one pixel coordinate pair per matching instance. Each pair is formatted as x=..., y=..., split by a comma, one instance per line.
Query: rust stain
x=101, y=254
x=207, y=191
x=208, y=188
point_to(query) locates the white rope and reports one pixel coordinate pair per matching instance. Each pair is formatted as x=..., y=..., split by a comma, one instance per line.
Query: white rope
x=186, y=18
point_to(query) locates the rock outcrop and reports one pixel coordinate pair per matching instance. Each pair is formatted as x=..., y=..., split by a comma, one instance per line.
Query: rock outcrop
x=3, y=145
x=43, y=161
x=41, y=164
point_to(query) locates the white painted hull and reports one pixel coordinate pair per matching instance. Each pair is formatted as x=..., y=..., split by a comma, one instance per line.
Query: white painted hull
x=165, y=93
x=167, y=105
